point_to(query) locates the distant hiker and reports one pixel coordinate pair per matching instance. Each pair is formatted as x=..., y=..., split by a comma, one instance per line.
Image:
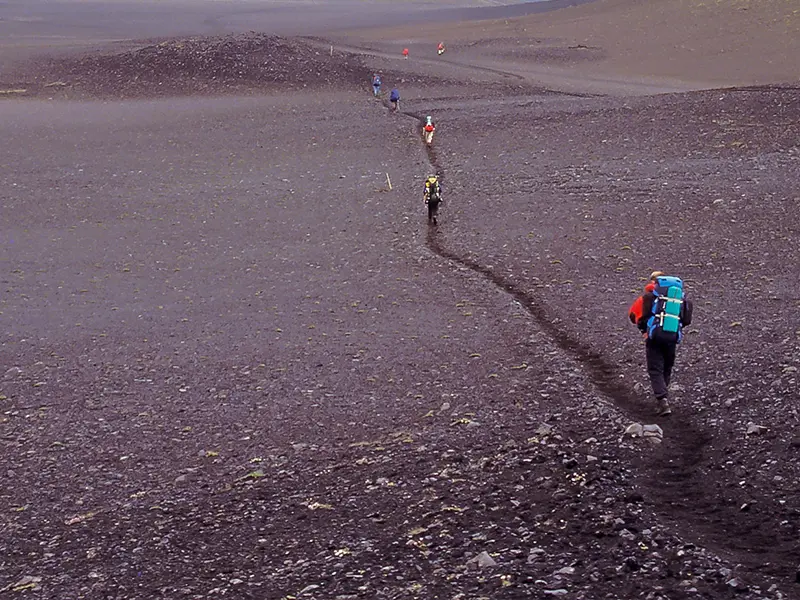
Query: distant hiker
x=433, y=196
x=405, y=52
x=440, y=48
x=394, y=98
x=428, y=129
x=376, y=84
x=661, y=313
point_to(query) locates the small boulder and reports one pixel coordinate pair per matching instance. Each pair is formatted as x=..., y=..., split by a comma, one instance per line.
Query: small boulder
x=309, y=588
x=13, y=372
x=653, y=430
x=753, y=429
x=634, y=430
x=653, y=434
x=482, y=561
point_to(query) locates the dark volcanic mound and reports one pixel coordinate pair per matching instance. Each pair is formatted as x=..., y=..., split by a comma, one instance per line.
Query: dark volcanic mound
x=231, y=64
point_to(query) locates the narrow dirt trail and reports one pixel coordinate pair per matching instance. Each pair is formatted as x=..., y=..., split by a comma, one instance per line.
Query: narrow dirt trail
x=686, y=494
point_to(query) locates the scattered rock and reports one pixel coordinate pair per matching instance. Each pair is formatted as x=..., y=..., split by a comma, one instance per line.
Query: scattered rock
x=535, y=554
x=736, y=584
x=753, y=429
x=634, y=430
x=634, y=497
x=651, y=430
x=632, y=564
x=558, y=592
x=482, y=561
x=28, y=582
x=653, y=433
x=13, y=372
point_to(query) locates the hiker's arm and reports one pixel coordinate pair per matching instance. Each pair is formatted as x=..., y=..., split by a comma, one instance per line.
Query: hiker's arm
x=686, y=312
x=647, y=309
x=635, y=311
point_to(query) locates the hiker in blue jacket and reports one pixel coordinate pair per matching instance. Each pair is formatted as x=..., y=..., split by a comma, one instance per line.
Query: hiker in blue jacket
x=394, y=98
x=376, y=84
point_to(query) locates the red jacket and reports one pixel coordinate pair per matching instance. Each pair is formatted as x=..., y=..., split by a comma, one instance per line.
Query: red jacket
x=635, y=312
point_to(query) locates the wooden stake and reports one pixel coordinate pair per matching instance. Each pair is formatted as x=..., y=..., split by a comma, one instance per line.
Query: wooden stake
x=389, y=181
x=331, y=49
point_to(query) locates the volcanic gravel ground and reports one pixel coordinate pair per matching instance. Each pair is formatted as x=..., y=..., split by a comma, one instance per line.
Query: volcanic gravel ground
x=232, y=64
x=701, y=185
x=236, y=364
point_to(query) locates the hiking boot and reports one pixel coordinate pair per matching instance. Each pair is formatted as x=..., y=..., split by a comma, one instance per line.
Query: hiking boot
x=663, y=407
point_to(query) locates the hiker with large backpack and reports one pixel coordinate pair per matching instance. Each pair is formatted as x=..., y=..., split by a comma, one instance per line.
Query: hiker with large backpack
x=428, y=130
x=661, y=313
x=433, y=197
x=394, y=98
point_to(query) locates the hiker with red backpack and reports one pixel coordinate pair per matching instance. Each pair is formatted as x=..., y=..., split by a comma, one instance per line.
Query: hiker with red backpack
x=428, y=130
x=661, y=313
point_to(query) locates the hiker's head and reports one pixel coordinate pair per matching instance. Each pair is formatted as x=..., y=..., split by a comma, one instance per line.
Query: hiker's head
x=656, y=274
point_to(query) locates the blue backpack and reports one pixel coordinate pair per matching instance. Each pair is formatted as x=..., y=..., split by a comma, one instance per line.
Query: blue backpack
x=664, y=324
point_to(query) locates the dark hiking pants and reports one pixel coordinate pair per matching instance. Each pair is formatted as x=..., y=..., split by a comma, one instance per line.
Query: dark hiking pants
x=433, y=208
x=660, y=359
